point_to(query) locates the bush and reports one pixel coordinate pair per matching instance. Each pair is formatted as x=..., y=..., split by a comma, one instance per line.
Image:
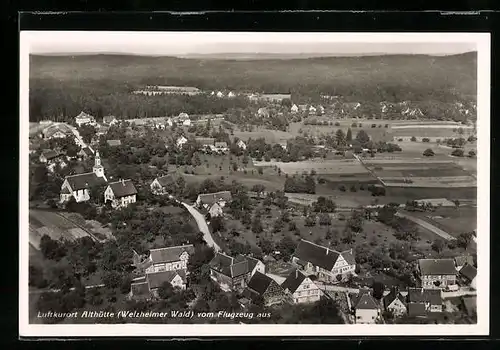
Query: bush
x=426, y=139
x=353, y=188
x=413, y=139
x=342, y=188
x=374, y=125
x=386, y=125
x=428, y=153
x=458, y=153
x=400, y=140
x=472, y=154
x=337, y=124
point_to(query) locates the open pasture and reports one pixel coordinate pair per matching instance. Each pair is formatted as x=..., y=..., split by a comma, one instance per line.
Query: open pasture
x=54, y=225
x=452, y=220
x=443, y=181
x=270, y=182
x=345, y=167
x=271, y=136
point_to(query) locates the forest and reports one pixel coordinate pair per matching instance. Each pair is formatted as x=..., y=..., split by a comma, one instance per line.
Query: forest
x=62, y=86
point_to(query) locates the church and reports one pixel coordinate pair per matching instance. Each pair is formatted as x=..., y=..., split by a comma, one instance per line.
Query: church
x=79, y=186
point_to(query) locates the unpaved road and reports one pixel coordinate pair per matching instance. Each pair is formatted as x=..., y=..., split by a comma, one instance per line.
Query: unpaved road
x=202, y=226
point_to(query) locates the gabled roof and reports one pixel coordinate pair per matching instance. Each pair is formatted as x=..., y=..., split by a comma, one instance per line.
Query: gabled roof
x=51, y=154
x=468, y=271
x=166, y=180
x=364, y=301
x=114, y=143
x=108, y=118
x=421, y=295
x=470, y=304
x=211, y=198
x=123, y=188
x=259, y=283
x=156, y=279
x=229, y=266
x=169, y=254
x=54, y=128
x=393, y=295
x=252, y=262
x=87, y=151
x=84, y=181
x=293, y=281
x=83, y=115
x=321, y=256
x=416, y=309
x=437, y=266
x=221, y=144
x=464, y=259
x=205, y=140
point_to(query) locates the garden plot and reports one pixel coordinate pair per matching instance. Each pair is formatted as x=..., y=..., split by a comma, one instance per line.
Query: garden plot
x=341, y=166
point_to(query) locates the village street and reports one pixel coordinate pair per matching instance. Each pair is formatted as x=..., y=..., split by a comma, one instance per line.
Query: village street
x=202, y=226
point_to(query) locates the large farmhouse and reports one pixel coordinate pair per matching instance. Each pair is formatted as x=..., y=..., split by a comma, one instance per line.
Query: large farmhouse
x=207, y=200
x=325, y=263
x=165, y=259
x=120, y=193
x=437, y=273
x=84, y=119
x=269, y=290
x=302, y=288
x=233, y=273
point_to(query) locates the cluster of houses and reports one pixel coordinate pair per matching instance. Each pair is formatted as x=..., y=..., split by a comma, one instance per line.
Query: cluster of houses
x=80, y=187
x=163, y=265
x=168, y=90
x=208, y=144
x=309, y=109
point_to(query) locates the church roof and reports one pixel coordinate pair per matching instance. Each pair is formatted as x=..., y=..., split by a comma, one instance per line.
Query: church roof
x=84, y=181
x=123, y=188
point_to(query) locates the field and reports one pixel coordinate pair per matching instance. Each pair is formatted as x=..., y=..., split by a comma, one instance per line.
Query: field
x=341, y=167
x=271, y=136
x=451, y=220
x=59, y=226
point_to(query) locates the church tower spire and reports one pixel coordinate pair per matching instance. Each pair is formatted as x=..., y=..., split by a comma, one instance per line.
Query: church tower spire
x=98, y=168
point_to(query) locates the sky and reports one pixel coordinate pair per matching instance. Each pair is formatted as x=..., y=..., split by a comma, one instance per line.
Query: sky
x=187, y=43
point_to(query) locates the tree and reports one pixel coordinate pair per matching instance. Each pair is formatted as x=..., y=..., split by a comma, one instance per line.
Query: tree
x=36, y=278
x=428, y=153
x=340, y=138
x=166, y=291
x=362, y=137
x=217, y=223
x=266, y=246
x=112, y=279
x=348, y=137
x=259, y=189
x=325, y=219
x=464, y=239
x=378, y=290
x=437, y=245
x=51, y=249
x=356, y=221
x=310, y=220
x=413, y=139
x=257, y=225
x=458, y=153
x=472, y=153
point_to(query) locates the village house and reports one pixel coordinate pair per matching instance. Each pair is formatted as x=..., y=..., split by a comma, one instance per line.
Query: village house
x=231, y=94
x=263, y=112
x=276, y=98
x=312, y=110
x=321, y=109
x=461, y=261
x=120, y=193
x=366, y=308
x=294, y=109
x=180, y=141
x=221, y=147
x=109, y=120
x=148, y=286
x=220, y=94
x=303, y=108
x=267, y=288
x=161, y=185
x=395, y=303
x=232, y=274
x=205, y=143
x=79, y=186
x=437, y=273
x=302, y=289
x=51, y=156
x=164, y=259
x=242, y=145
x=85, y=153
x=114, y=143
x=215, y=210
x=326, y=264
x=206, y=200
x=468, y=275
x=57, y=131
x=85, y=119
x=422, y=301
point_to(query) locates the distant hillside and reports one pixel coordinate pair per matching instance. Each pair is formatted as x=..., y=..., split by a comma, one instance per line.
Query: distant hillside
x=369, y=77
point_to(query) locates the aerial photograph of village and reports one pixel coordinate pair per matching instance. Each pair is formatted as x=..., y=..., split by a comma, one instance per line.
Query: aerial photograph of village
x=253, y=184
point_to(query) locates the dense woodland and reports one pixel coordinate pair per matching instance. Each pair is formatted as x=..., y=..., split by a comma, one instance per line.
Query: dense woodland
x=61, y=87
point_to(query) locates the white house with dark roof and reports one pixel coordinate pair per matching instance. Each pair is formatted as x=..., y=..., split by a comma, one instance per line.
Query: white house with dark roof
x=326, y=264
x=120, y=193
x=215, y=210
x=109, y=120
x=462, y=260
x=206, y=200
x=180, y=141
x=84, y=119
x=302, y=288
x=162, y=184
x=166, y=259
x=242, y=145
x=366, y=308
x=294, y=109
x=221, y=147
x=234, y=273
x=79, y=186
x=437, y=273
x=114, y=143
x=395, y=303
x=57, y=131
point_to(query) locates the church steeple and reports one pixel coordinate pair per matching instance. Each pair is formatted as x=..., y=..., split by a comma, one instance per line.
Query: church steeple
x=98, y=168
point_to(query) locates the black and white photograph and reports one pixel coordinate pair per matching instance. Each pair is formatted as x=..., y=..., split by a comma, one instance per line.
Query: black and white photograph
x=239, y=183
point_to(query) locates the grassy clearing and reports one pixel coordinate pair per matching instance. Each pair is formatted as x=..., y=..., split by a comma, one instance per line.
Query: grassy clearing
x=452, y=220
x=271, y=136
x=320, y=166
